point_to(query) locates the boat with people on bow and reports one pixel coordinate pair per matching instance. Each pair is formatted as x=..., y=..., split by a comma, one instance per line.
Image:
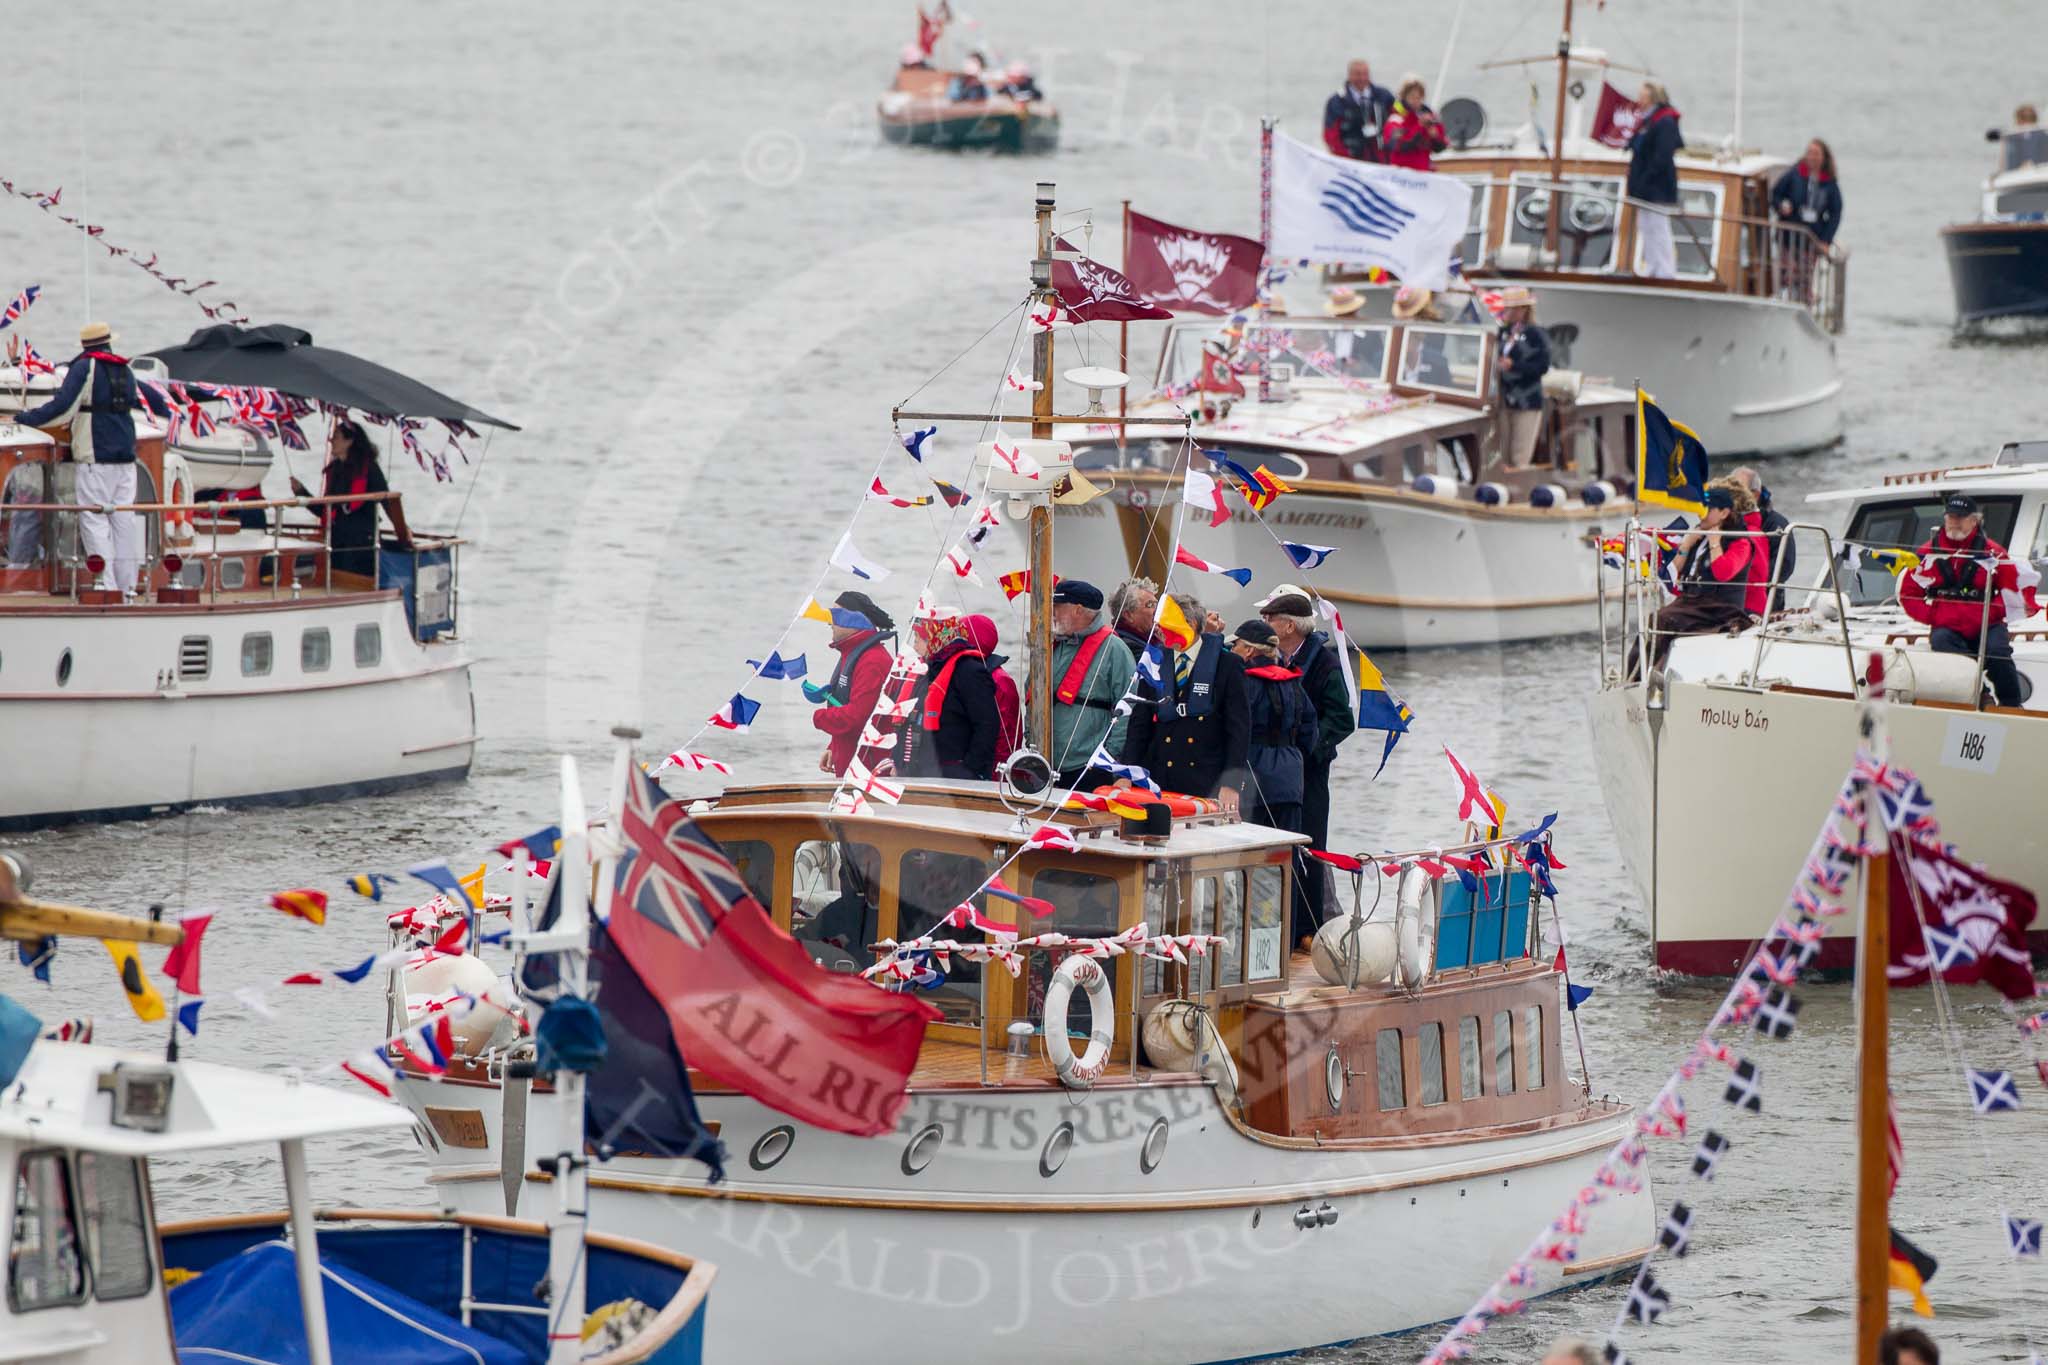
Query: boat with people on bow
x=1148, y=1101
x=1752, y=723
x=976, y=104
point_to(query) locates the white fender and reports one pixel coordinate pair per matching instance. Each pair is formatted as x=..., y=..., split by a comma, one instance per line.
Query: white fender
x=1415, y=925
x=1086, y=973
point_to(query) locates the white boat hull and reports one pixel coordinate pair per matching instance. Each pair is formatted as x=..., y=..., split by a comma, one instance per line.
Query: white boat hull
x=1749, y=375
x=1735, y=768
x=1228, y=1248
x=1409, y=571
x=125, y=736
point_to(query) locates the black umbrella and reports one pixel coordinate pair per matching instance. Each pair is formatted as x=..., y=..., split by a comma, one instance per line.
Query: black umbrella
x=284, y=358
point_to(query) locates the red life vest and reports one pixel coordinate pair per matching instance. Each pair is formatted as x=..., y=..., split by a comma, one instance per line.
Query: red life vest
x=1071, y=682
x=935, y=695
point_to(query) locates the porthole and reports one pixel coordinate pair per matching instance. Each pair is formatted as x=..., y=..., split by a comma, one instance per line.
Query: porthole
x=1333, y=1080
x=64, y=668
x=233, y=574
x=1154, y=1150
x=922, y=1147
x=1057, y=1149
x=771, y=1147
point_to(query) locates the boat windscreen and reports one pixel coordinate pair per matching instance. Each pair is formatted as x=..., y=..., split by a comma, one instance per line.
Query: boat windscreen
x=1907, y=524
x=2027, y=147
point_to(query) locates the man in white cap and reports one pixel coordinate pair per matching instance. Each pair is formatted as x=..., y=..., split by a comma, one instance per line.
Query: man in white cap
x=97, y=401
x=1291, y=612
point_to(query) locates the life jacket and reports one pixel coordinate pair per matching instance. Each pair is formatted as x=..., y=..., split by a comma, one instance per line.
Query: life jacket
x=1956, y=576
x=120, y=383
x=1280, y=714
x=1200, y=697
x=842, y=674
x=357, y=486
x=1076, y=676
x=935, y=693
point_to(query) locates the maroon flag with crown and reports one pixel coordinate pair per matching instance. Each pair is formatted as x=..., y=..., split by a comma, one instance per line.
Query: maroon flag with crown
x=1192, y=272
x=1092, y=292
x=1616, y=119
x=1951, y=920
x=745, y=1003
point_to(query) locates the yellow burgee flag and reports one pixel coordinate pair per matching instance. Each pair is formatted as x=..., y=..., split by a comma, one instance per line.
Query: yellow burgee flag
x=142, y=997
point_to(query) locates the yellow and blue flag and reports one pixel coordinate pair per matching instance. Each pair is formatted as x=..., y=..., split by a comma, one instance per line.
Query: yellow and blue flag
x=437, y=874
x=1898, y=561
x=1671, y=460
x=370, y=885
x=1379, y=709
x=142, y=997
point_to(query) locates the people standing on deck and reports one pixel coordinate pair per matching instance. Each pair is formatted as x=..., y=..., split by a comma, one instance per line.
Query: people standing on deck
x=1354, y=116
x=861, y=635
x=1020, y=85
x=1653, y=179
x=1283, y=729
x=1413, y=133
x=1809, y=196
x=953, y=726
x=1092, y=669
x=1951, y=584
x=981, y=630
x=1133, y=609
x=1524, y=360
x=1713, y=571
x=1192, y=729
x=1290, y=611
x=1781, y=552
x=97, y=400
x=352, y=472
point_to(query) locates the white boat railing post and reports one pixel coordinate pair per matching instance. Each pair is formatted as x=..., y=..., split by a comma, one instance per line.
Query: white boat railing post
x=1983, y=636
x=305, y=1250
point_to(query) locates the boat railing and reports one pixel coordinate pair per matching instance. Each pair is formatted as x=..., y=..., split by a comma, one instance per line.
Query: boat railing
x=170, y=535
x=1775, y=258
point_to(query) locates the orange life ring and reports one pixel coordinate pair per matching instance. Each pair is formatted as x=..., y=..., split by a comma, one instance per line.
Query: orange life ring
x=1176, y=803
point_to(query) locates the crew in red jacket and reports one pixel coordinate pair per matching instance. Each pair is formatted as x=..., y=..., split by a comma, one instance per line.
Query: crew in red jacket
x=1413, y=131
x=1946, y=591
x=1713, y=574
x=861, y=633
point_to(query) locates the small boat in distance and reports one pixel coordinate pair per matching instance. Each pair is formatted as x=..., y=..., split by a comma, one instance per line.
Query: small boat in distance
x=976, y=105
x=1998, y=265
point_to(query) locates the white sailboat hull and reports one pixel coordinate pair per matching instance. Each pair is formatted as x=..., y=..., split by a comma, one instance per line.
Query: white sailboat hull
x=1226, y=1248
x=124, y=735
x=1749, y=375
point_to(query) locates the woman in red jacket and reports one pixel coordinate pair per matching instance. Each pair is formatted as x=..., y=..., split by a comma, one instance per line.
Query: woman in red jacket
x=1714, y=571
x=861, y=633
x=1413, y=130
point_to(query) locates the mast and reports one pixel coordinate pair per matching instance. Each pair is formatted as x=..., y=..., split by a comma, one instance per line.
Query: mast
x=1123, y=349
x=1265, y=247
x=1564, y=71
x=1039, y=700
x=1873, y=1080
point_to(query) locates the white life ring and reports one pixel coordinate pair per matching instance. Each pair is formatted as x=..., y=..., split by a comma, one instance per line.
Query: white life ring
x=1086, y=973
x=1415, y=930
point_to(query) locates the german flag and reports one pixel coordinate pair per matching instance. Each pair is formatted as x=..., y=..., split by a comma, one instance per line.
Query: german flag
x=302, y=903
x=142, y=997
x=1911, y=1269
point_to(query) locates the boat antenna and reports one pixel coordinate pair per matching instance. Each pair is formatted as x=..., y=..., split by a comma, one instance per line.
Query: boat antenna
x=1040, y=616
x=1564, y=72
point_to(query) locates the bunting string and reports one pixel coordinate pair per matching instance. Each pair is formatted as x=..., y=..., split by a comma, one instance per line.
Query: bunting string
x=227, y=310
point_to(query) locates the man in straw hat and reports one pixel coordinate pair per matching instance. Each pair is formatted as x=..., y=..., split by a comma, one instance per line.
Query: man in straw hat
x=97, y=402
x=1524, y=360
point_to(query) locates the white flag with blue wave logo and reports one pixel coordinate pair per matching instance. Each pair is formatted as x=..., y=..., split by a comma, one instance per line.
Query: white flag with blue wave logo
x=1332, y=209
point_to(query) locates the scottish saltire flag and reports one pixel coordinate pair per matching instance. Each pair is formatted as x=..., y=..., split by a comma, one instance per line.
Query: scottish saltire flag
x=1992, y=1091
x=736, y=714
x=1183, y=555
x=777, y=668
x=1329, y=208
x=2023, y=1235
x=1379, y=709
x=1307, y=556
x=19, y=305
x=1671, y=460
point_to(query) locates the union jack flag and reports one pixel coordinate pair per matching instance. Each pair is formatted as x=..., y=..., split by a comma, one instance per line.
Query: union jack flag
x=32, y=361
x=19, y=306
x=670, y=873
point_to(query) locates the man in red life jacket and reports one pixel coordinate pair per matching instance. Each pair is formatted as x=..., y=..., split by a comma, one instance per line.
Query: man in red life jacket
x=1946, y=592
x=1092, y=668
x=861, y=634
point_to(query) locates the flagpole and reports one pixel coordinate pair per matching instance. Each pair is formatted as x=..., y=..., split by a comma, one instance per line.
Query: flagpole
x=1265, y=246
x=1873, y=1082
x=1040, y=620
x=1123, y=351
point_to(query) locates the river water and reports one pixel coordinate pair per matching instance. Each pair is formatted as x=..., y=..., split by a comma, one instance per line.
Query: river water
x=665, y=240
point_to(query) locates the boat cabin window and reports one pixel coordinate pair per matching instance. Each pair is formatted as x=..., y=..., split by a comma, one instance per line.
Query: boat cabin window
x=835, y=901
x=928, y=886
x=316, y=650
x=1084, y=906
x=1695, y=229
x=1387, y=1066
x=1585, y=226
x=369, y=645
x=1444, y=359
x=1431, y=1047
x=256, y=652
x=1532, y=1046
x=755, y=861
x=1265, y=928
x=2039, y=549
x=116, y=1225
x=1468, y=1057
x=2027, y=147
x=2028, y=201
x=1472, y=250
x=1504, y=1053
x=1906, y=524
x=46, y=1259
x=1202, y=967
x=1162, y=905
x=1357, y=352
